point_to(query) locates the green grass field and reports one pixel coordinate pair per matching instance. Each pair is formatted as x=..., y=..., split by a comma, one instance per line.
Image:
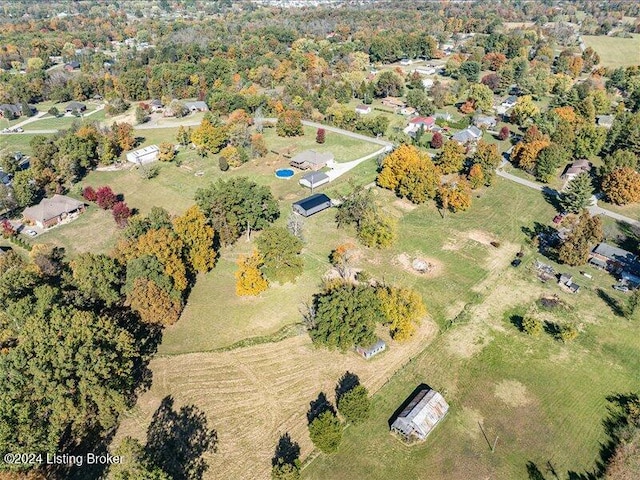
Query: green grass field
x=544, y=400
x=615, y=52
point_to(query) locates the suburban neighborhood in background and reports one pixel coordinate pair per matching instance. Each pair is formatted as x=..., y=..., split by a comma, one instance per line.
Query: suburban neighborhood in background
x=320, y=239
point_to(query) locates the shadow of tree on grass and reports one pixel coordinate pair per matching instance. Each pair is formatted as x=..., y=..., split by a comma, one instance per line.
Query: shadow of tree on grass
x=177, y=439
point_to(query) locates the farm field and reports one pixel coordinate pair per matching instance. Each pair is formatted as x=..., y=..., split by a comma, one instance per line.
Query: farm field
x=481, y=354
x=615, y=51
x=529, y=392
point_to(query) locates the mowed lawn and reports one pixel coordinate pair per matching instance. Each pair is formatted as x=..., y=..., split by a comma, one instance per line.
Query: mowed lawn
x=422, y=233
x=544, y=401
x=614, y=51
x=175, y=186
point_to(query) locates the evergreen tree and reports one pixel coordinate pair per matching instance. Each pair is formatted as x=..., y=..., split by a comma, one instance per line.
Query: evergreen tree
x=577, y=194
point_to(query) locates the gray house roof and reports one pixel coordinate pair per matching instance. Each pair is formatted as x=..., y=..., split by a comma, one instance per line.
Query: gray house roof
x=75, y=106
x=313, y=158
x=197, y=105
x=52, y=207
x=614, y=253
x=421, y=415
x=315, y=177
x=469, y=134
x=368, y=352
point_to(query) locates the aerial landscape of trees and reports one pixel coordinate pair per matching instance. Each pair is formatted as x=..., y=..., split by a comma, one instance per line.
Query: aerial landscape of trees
x=463, y=132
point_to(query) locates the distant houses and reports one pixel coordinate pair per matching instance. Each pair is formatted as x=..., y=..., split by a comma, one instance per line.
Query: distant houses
x=197, y=106
x=71, y=66
x=144, y=155
x=425, y=410
x=51, y=211
x=393, y=102
x=621, y=263
x=468, y=136
x=484, y=121
x=312, y=205
x=605, y=121
x=10, y=111
x=415, y=124
x=575, y=169
x=311, y=160
x=363, y=109
x=75, y=107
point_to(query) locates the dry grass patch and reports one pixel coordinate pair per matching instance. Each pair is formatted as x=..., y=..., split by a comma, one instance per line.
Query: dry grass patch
x=513, y=393
x=251, y=396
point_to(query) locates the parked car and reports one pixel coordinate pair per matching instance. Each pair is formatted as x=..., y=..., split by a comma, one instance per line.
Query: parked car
x=621, y=288
x=516, y=262
x=31, y=233
x=19, y=129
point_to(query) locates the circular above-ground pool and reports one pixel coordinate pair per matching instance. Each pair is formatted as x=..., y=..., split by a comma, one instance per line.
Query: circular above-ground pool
x=286, y=173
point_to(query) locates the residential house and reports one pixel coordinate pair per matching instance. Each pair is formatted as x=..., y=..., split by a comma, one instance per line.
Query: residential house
x=155, y=105
x=605, y=121
x=75, y=107
x=468, y=136
x=312, y=205
x=484, y=121
x=509, y=102
x=5, y=178
x=617, y=261
x=314, y=179
x=51, y=211
x=363, y=109
x=368, y=352
x=406, y=62
x=427, y=123
x=10, y=111
x=198, y=106
x=311, y=160
x=408, y=111
x=393, y=102
x=71, y=66
x=145, y=155
x=575, y=169
x=421, y=415
x=428, y=70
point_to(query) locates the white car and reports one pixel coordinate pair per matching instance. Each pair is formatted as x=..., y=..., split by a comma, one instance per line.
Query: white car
x=19, y=129
x=31, y=233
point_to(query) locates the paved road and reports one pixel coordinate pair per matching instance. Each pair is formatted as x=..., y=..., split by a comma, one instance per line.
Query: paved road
x=594, y=209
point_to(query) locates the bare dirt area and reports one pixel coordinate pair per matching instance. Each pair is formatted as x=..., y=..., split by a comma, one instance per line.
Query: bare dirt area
x=433, y=266
x=404, y=205
x=252, y=396
x=513, y=393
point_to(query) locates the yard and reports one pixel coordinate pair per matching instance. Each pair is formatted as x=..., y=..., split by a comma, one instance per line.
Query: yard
x=519, y=388
x=175, y=186
x=614, y=51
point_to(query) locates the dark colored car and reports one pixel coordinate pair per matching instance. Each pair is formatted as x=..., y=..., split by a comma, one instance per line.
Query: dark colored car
x=516, y=262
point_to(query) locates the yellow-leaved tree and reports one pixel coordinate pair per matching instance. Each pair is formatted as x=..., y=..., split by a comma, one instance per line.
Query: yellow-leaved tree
x=249, y=278
x=198, y=236
x=153, y=304
x=403, y=308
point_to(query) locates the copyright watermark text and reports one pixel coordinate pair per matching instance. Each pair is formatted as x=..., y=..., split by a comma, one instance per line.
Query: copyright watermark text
x=64, y=459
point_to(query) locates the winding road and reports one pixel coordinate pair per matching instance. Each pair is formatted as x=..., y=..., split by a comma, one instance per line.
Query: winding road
x=594, y=209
